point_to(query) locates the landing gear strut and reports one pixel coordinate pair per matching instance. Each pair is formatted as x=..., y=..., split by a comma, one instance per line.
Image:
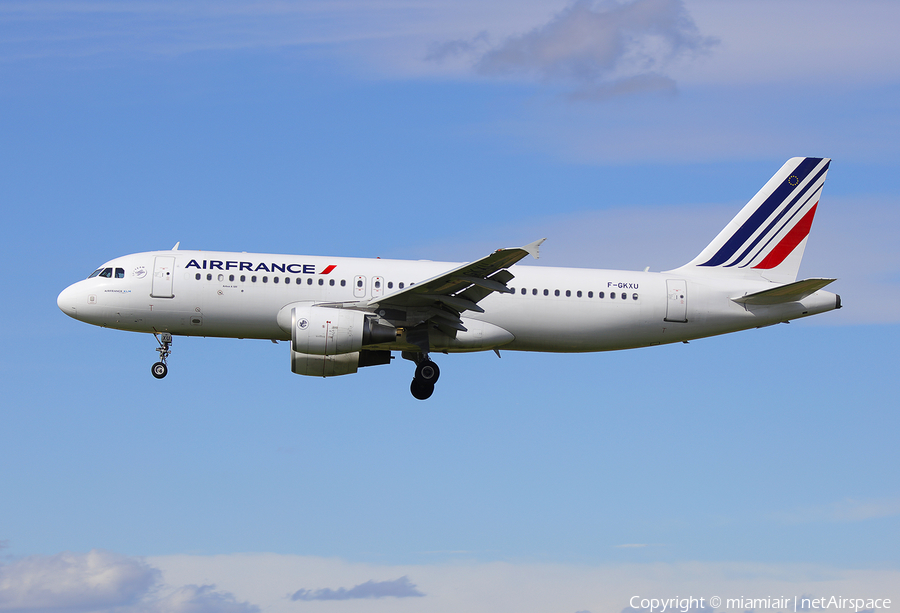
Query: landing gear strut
x=160, y=369
x=427, y=373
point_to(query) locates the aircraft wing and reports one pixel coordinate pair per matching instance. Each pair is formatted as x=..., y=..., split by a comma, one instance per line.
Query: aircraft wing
x=444, y=297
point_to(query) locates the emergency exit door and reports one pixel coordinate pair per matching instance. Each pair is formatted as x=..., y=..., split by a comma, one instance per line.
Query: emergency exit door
x=676, y=300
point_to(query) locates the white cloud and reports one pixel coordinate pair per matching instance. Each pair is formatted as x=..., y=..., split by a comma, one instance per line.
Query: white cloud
x=74, y=582
x=103, y=582
x=195, y=599
x=398, y=588
x=603, y=49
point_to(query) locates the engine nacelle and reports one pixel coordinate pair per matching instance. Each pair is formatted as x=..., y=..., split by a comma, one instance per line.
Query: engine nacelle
x=334, y=365
x=326, y=331
x=324, y=365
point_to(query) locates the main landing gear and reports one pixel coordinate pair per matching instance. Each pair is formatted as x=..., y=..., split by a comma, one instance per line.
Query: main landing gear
x=427, y=373
x=160, y=369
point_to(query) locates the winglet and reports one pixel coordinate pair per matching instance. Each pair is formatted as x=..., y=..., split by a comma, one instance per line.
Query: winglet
x=175, y=248
x=533, y=248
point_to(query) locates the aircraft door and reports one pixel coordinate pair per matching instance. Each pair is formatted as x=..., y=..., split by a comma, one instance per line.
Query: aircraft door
x=377, y=287
x=359, y=286
x=676, y=300
x=163, y=274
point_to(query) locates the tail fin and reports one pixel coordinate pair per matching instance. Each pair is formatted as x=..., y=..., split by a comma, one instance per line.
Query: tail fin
x=767, y=238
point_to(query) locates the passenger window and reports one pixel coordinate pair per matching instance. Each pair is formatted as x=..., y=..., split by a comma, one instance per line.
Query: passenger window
x=197, y=276
x=612, y=295
x=331, y=282
x=253, y=278
x=287, y=280
x=274, y=279
x=590, y=294
x=377, y=284
x=601, y=295
x=209, y=276
x=265, y=279
x=578, y=295
x=390, y=285
x=634, y=296
x=321, y=281
x=243, y=278
x=524, y=291
x=231, y=277
x=568, y=294
x=546, y=292
x=556, y=293
x=309, y=281
x=401, y=285
x=343, y=283
x=624, y=296
x=120, y=273
x=221, y=277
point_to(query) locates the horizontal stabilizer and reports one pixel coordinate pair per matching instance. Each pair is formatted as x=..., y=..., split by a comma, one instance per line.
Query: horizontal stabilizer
x=792, y=292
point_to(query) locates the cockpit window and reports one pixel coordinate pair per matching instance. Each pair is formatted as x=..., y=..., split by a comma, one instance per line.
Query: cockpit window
x=120, y=273
x=106, y=272
x=95, y=273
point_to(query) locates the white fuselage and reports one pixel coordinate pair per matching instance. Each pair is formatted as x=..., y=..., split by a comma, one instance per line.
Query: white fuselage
x=239, y=295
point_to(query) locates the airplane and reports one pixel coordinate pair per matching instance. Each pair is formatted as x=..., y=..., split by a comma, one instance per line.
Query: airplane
x=341, y=314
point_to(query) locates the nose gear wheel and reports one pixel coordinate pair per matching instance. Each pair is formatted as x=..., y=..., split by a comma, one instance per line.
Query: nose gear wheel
x=159, y=369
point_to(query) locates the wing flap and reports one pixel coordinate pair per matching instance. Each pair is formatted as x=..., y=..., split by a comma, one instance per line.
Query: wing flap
x=477, y=292
x=454, y=302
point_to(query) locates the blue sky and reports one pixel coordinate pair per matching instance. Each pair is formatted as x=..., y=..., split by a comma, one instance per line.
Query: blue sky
x=758, y=464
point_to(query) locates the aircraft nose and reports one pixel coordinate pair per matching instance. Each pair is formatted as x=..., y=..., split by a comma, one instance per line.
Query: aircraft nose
x=66, y=301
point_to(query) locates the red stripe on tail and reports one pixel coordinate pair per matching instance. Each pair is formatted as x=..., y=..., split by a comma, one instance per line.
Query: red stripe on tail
x=789, y=242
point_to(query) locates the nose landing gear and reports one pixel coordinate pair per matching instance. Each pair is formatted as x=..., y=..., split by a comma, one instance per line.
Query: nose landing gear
x=160, y=369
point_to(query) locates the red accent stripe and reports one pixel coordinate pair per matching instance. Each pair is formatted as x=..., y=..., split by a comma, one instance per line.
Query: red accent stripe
x=789, y=242
x=328, y=269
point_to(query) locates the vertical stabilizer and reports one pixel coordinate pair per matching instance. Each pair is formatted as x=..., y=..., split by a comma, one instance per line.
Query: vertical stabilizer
x=767, y=238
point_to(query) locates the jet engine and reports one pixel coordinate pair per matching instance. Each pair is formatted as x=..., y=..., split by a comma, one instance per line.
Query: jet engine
x=328, y=342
